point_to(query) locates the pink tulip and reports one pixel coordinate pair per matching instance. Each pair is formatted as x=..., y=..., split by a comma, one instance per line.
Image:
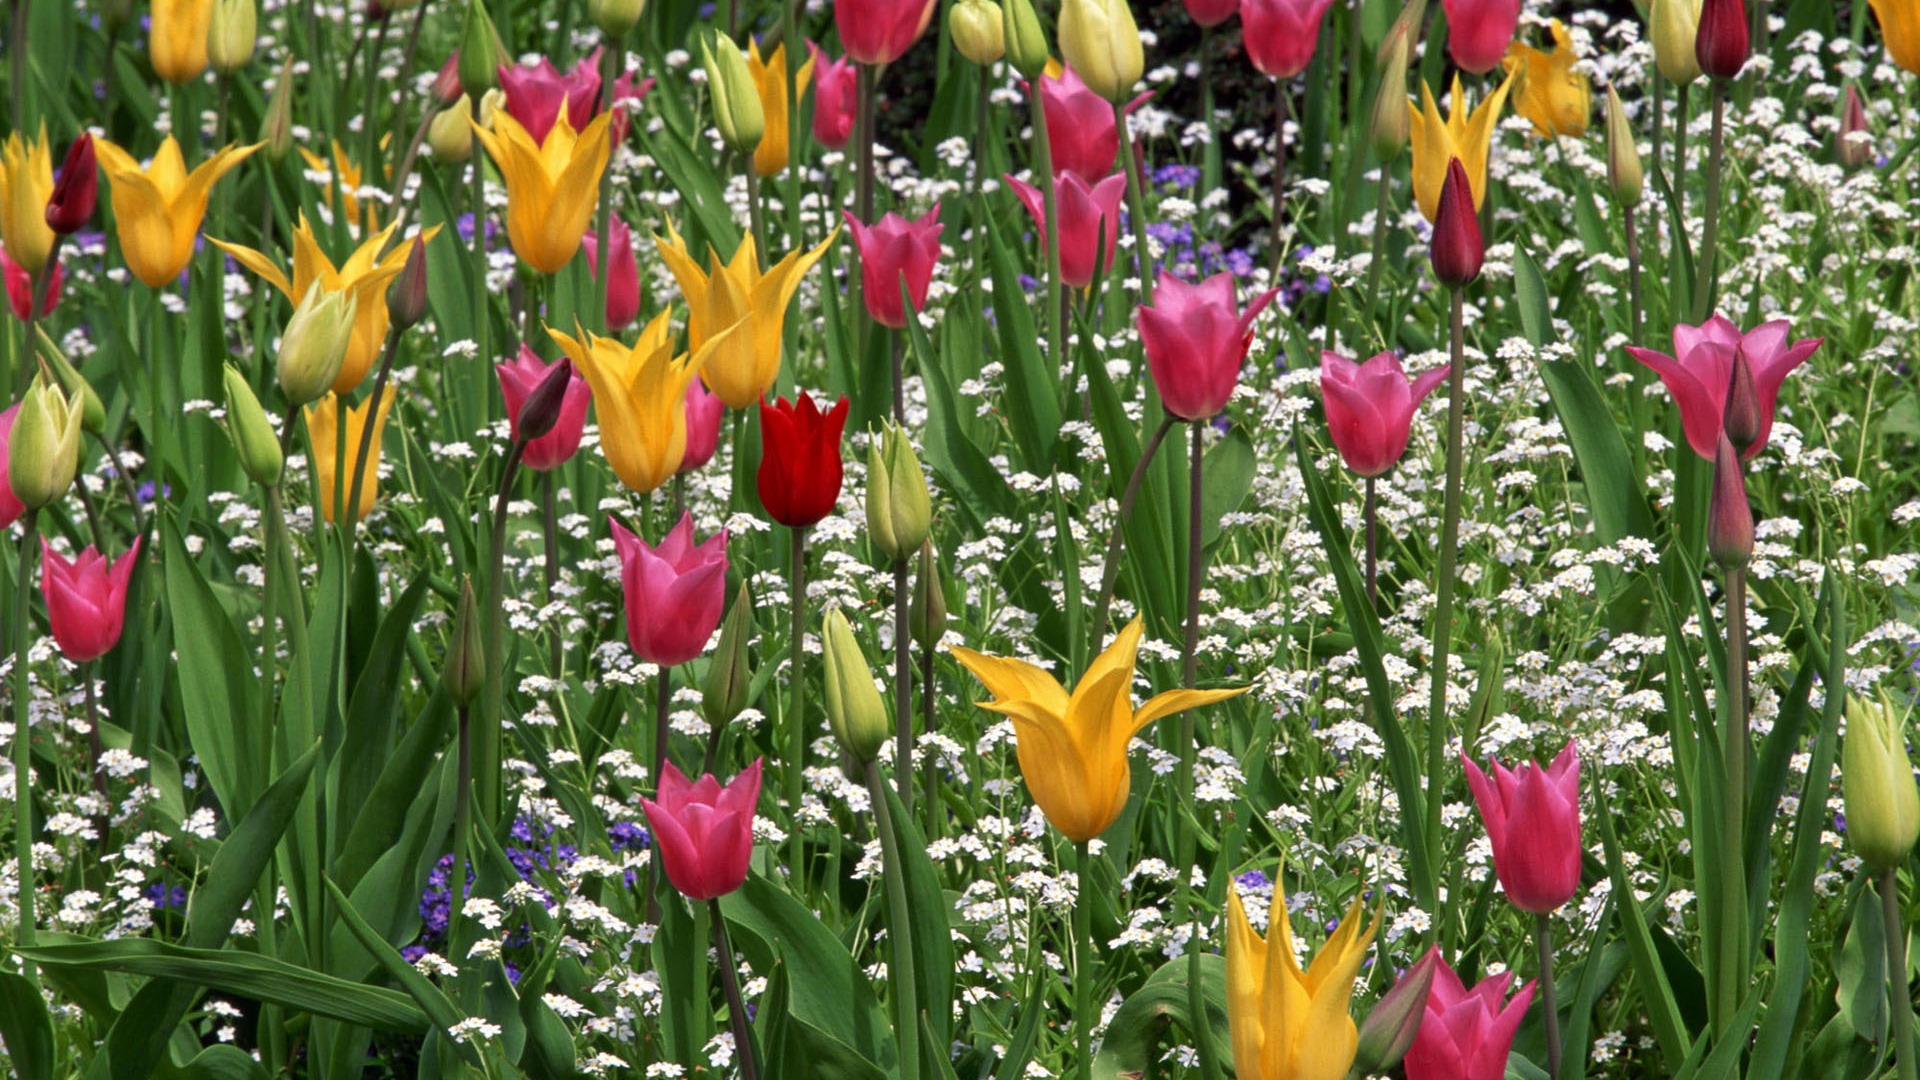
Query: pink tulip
x=10, y=507
x=20, y=287
x=537, y=93
x=1479, y=31
x=623, y=294
x=517, y=380
x=624, y=90
x=1466, y=1034
x=1532, y=817
x=1083, y=214
x=1211, y=12
x=674, y=592
x=1370, y=408
x=835, y=83
x=1698, y=380
x=1081, y=134
x=704, y=413
x=880, y=31
x=890, y=249
x=86, y=599
x=1195, y=341
x=704, y=832
x=1281, y=34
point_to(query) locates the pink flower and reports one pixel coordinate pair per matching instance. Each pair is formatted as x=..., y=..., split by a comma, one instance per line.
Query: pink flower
x=1370, y=408
x=1466, y=1034
x=624, y=90
x=1211, y=12
x=889, y=249
x=86, y=599
x=1081, y=134
x=1195, y=341
x=1532, y=817
x=835, y=83
x=20, y=287
x=1697, y=381
x=1083, y=212
x=537, y=93
x=1479, y=31
x=1456, y=250
x=1281, y=34
x=704, y=412
x=623, y=294
x=674, y=592
x=10, y=507
x=704, y=832
x=517, y=380
x=880, y=31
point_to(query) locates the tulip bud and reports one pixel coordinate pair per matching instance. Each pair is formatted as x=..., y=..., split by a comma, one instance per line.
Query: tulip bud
x=541, y=411
x=1624, y=176
x=314, y=344
x=1389, y=123
x=979, y=31
x=615, y=17
x=407, y=299
x=1388, y=1031
x=276, y=124
x=74, y=194
x=927, y=613
x=1457, y=249
x=1099, y=41
x=1729, y=518
x=115, y=14
x=465, y=673
x=1853, y=147
x=43, y=450
x=446, y=85
x=449, y=135
x=1742, y=420
x=93, y=414
x=1883, y=805
x=736, y=99
x=232, y=35
x=480, y=51
x=1674, y=25
x=1402, y=34
x=253, y=439
x=854, y=709
x=1024, y=38
x=1721, y=46
x=899, y=511
x=724, y=692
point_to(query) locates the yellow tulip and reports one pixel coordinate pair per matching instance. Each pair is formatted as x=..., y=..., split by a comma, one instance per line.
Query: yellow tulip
x=1900, y=29
x=26, y=183
x=178, y=47
x=323, y=428
x=157, y=210
x=1073, y=747
x=1463, y=135
x=1286, y=1024
x=770, y=77
x=552, y=187
x=364, y=275
x=1558, y=99
x=744, y=368
x=640, y=398
x=1101, y=43
x=346, y=180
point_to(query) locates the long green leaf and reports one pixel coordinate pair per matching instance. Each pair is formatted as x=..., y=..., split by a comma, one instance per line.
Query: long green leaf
x=1165, y=997
x=432, y=1000
x=26, y=1027
x=216, y=677
x=932, y=929
x=1033, y=403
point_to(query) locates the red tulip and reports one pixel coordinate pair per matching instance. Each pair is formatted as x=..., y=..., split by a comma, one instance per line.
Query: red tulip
x=1211, y=12
x=835, y=83
x=1084, y=213
x=624, y=90
x=518, y=380
x=74, y=194
x=1721, y=46
x=1850, y=151
x=1195, y=341
x=800, y=467
x=536, y=94
x=623, y=294
x=890, y=249
x=20, y=287
x=1479, y=31
x=1081, y=134
x=704, y=832
x=674, y=593
x=705, y=410
x=1370, y=408
x=1698, y=380
x=1467, y=1034
x=1532, y=817
x=880, y=31
x=86, y=599
x=1457, y=250
x=1281, y=34
x=10, y=507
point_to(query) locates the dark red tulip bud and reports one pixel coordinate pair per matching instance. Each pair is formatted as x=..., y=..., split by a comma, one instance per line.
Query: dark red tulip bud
x=376, y=12
x=1729, y=518
x=542, y=409
x=1850, y=151
x=446, y=85
x=1742, y=420
x=1457, y=249
x=1721, y=46
x=71, y=205
x=407, y=299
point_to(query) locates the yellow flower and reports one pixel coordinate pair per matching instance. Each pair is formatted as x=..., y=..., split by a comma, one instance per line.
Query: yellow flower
x=347, y=180
x=26, y=183
x=178, y=47
x=1287, y=1024
x=1558, y=99
x=364, y=274
x=1073, y=748
x=770, y=77
x=323, y=427
x=1900, y=29
x=1461, y=135
x=742, y=370
x=640, y=398
x=157, y=210
x=552, y=187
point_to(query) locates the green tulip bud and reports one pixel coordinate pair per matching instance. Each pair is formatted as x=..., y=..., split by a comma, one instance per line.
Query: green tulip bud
x=481, y=53
x=854, y=709
x=43, y=451
x=725, y=691
x=1389, y=1029
x=1389, y=122
x=465, y=673
x=1099, y=41
x=1623, y=156
x=978, y=30
x=314, y=344
x=1883, y=804
x=93, y=415
x=899, y=511
x=736, y=97
x=927, y=612
x=232, y=35
x=1025, y=40
x=276, y=125
x=253, y=438
x=615, y=17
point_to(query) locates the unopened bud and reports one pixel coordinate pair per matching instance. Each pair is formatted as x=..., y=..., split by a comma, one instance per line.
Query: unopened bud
x=736, y=98
x=74, y=194
x=253, y=439
x=927, y=613
x=978, y=30
x=449, y=134
x=1853, y=146
x=465, y=673
x=1100, y=41
x=1404, y=31
x=1025, y=39
x=93, y=414
x=855, y=710
x=407, y=299
x=480, y=53
x=1876, y=776
x=1389, y=122
x=1742, y=419
x=1729, y=517
x=1624, y=176
x=276, y=125
x=615, y=17
x=43, y=450
x=899, y=511
x=1721, y=47
x=729, y=683
x=1457, y=249
x=446, y=85
x=541, y=411
x=314, y=344
x=1674, y=25
x=232, y=35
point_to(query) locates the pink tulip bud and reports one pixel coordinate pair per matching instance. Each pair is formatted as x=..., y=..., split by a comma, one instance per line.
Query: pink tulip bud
x=1211, y=12
x=1370, y=408
x=10, y=507
x=705, y=410
x=834, y=97
x=1195, y=341
x=446, y=85
x=86, y=599
x=1853, y=146
x=1467, y=1034
x=623, y=289
x=20, y=287
x=890, y=249
x=1532, y=817
x=674, y=593
x=1721, y=46
x=1084, y=215
x=1741, y=421
x=1479, y=31
x=703, y=831
x=1698, y=381
x=1457, y=250
x=74, y=194
x=407, y=298
x=1729, y=515
x=519, y=380
x=1281, y=34
x=537, y=93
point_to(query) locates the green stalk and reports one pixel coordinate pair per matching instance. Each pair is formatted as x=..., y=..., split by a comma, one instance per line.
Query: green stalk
x=1210, y=157
x=22, y=745
x=488, y=751
x=756, y=213
x=1050, y=241
x=1082, y=963
x=1110, y=565
x=1372, y=513
x=906, y=986
x=1382, y=206
x=611, y=60
x=1732, y=981
x=370, y=132
x=1449, y=551
x=930, y=768
x=1901, y=996
x=863, y=193
x=1279, y=169
x=1136, y=205
x=902, y=689
x=1635, y=303
x=550, y=526
x=730, y=984
x=1705, y=265
x=796, y=762
x=1549, y=1012
x=482, y=321
x=1190, y=676
x=462, y=828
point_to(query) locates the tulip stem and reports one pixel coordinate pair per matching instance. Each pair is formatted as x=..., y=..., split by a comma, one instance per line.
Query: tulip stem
x=482, y=318
x=730, y=984
x=494, y=697
x=1449, y=551
x=1110, y=565
x=1682, y=107
x=756, y=214
x=906, y=987
x=1279, y=168
x=612, y=58
x=17, y=81
x=22, y=743
x=929, y=766
x=1733, y=744
x=1050, y=243
x=549, y=524
x=1210, y=155
x=1082, y=961
x=1136, y=205
x=462, y=826
x=902, y=689
x=796, y=696
x=1373, y=550
x=1549, y=1012
x=370, y=132
x=1902, y=997
x=1196, y=570
x=1704, y=263
x=1635, y=303
x=351, y=512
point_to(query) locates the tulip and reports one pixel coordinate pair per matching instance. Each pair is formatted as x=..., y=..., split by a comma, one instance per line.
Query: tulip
x=899, y=509
x=1456, y=249
x=10, y=507
x=93, y=413
x=86, y=599
x=1463, y=135
x=728, y=685
x=834, y=85
x=1883, y=805
x=407, y=297
x=1698, y=380
x=880, y=31
x=704, y=413
x=770, y=82
x=625, y=90
x=1370, y=408
x=855, y=710
x=314, y=344
x=734, y=95
x=1721, y=46
x=1900, y=31
x=1556, y=98
x=1284, y=1023
x=1853, y=146
x=323, y=429
x=1478, y=32
x=232, y=35
x=464, y=675
x=157, y=210
x=346, y=177
x=1025, y=38
x=744, y=367
x=276, y=124
x=178, y=42
x=674, y=593
x=1099, y=40
x=800, y=466
x=1388, y=124
x=518, y=378
x=1082, y=214
x=1467, y=1034
x=1211, y=13
x=70, y=206
x=703, y=831
x=1281, y=34
x=1389, y=1029
x=1741, y=420
x=43, y=449
x=537, y=93
x=927, y=615
x=891, y=249
x=449, y=134
x=254, y=441
x=20, y=288
x=623, y=290
x=481, y=51
x=552, y=185
x=639, y=398
x=1072, y=749
x=1081, y=134
x=1674, y=26
x=1729, y=515
x=1195, y=341
x=978, y=30
x=1532, y=817
x=26, y=186
x=1624, y=175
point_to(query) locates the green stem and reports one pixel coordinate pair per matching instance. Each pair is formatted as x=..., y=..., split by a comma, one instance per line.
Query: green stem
x=23, y=745
x=899, y=931
x=1381, y=209
x=756, y=213
x=482, y=320
x=930, y=767
x=1279, y=169
x=17, y=80
x=1082, y=962
x=796, y=763
x=1437, y=726
x=1705, y=264
x=1372, y=512
x=487, y=756
x=1549, y=1012
x=1210, y=157
x=1196, y=569
x=550, y=525
x=370, y=132
x=1136, y=205
x=1050, y=241
x=351, y=512
x=462, y=828
x=863, y=192
x=902, y=689
x=1901, y=996
x=1190, y=675
x=730, y=985
x=1110, y=565
x=1732, y=981
x=1635, y=304
x=611, y=60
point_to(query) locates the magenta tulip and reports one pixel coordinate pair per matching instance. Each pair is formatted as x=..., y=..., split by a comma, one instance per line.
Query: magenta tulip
x=1532, y=817
x=1195, y=341
x=835, y=83
x=890, y=249
x=623, y=290
x=1281, y=34
x=624, y=90
x=702, y=831
x=1467, y=1034
x=536, y=94
x=705, y=410
x=20, y=287
x=1084, y=214
x=1479, y=31
x=880, y=31
x=86, y=599
x=1698, y=379
x=1081, y=134
x=517, y=380
x=674, y=593
x=10, y=507
x=1456, y=250
x=1211, y=12
x=1721, y=47
x=1370, y=408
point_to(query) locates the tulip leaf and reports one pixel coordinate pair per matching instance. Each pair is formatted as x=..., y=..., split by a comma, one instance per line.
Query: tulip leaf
x=1862, y=967
x=223, y=1062
x=27, y=1028
x=380, y=817
x=1656, y=994
x=1164, y=998
x=981, y=488
x=1032, y=401
x=1229, y=471
x=374, y=709
x=215, y=676
x=932, y=928
x=433, y=1001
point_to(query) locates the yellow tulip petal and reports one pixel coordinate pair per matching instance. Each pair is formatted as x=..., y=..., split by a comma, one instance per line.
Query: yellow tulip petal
x=1008, y=679
x=259, y=264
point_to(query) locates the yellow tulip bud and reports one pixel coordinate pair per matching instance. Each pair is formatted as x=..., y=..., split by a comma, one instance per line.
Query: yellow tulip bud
x=1623, y=156
x=1025, y=40
x=93, y=414
x=1673, y=25
x=615, y=17
x=234, y=33
x=899, y=511
x=855, y=710
x=449, y=135
x=43, y=451
x=1389, y=123
x=729, y=682
x=314, y=344
x=254, y=441
x=979, y=31
x=736, y=98
x=1883, y=804
x=1101, y=44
